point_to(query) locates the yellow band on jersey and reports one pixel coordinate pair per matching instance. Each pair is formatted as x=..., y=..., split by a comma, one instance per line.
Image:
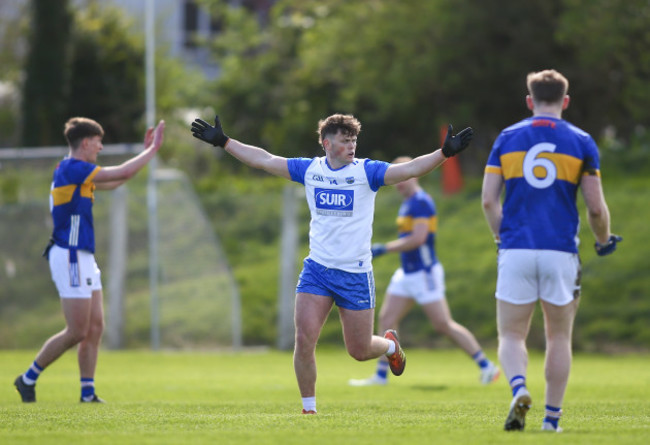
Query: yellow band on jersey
x=87, y=190
x=63, y=194
x=493, y=169
x=569, y=168
x=406, y=223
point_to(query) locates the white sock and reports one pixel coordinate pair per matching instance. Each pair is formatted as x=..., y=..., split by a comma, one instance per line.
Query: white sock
x=309, y=403
x=392, y=347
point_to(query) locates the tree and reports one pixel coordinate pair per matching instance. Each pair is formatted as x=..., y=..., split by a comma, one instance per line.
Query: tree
x=107, y=72
x=46, y=73
x=12, y=40
x=406, y=68
x=611, y=40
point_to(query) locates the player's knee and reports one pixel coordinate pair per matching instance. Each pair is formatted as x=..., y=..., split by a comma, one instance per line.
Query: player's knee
x=77, y=335
x=359, y=354
x=96, y=329
x=305, y=338
x=442, y=326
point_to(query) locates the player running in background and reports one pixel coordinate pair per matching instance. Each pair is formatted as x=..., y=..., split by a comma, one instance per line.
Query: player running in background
x=541, y=161
x=420, y=280
x=72, y=247
x=340, y=190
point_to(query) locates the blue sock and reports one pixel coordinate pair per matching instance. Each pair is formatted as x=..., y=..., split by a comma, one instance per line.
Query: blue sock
x=480, y=359
x=87, y=388
x=553, y=414
x=382, y=369
x=32, y=374
x=518, y=381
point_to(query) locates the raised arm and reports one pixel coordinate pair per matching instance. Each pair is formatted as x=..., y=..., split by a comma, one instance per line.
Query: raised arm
x=426, y=163
x=250, y=155
x=111, y=177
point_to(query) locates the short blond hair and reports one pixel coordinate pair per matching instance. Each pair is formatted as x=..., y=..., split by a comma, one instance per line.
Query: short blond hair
x=547, y=86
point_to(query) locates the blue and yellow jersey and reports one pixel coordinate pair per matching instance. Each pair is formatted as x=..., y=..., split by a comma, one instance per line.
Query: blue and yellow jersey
x=71, y=202
x=418, y=208
x=542, y=160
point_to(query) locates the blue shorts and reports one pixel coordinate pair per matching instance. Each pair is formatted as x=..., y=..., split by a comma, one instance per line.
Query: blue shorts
x=354, y=291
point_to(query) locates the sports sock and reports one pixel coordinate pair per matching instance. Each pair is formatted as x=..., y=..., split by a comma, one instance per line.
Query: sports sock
x=392, y=347
x=516, y=383
x=87, y=388
x=30, y=377
x=553, y=414
x=309, y=403
x=481, y=360
x=382, y=369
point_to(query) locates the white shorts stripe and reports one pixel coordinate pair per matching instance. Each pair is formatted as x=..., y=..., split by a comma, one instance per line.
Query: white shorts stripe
x=73, y=239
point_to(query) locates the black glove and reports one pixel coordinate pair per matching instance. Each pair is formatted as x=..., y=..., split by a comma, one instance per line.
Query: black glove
x=455, y=144
x=206, y=132
x=609, y=246
x=377, y=250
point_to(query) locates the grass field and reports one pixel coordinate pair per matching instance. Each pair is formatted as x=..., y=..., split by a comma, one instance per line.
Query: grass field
x=252, y=398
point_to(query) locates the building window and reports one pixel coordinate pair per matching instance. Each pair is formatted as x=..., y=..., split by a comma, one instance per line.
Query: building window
x=190, y=23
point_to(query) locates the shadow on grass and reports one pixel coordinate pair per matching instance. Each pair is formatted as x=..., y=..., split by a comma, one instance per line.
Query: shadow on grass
x=432, y=388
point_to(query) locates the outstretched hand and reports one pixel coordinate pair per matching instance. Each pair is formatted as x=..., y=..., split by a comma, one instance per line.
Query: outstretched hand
x=455, y=144
x=154, y=136
x=207, y=133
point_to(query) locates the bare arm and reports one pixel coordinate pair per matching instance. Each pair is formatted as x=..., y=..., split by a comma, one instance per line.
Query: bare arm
x=417, y=237
x=491, y=200
x=120, y=173
x=414, y=168
x=109, y=185
x=424, y=164
x=257, y=157
x=597, y=210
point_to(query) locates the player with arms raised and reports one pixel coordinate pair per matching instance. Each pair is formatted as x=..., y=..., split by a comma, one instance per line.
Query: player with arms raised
x=340, y=190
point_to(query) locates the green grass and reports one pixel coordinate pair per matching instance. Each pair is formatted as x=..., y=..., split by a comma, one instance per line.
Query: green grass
x=252, y=398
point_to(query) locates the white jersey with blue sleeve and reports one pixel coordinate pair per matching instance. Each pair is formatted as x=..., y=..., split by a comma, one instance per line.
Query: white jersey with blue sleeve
x=342, y=206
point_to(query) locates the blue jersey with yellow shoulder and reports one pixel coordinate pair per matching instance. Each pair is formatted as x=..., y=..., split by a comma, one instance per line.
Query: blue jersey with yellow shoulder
x=71, y=202
x=542, y=160
x=418, y=208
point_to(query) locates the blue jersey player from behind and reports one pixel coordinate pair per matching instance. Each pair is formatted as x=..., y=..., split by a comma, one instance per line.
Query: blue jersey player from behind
x=340, y=190
x=72, y=248
x=420, y=280
x=541, y=162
